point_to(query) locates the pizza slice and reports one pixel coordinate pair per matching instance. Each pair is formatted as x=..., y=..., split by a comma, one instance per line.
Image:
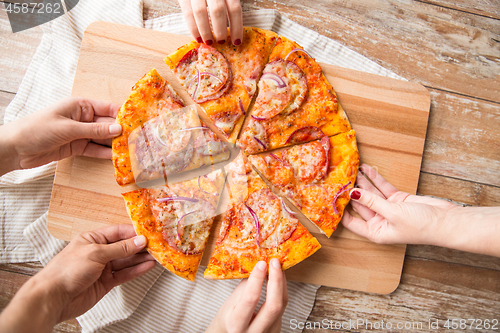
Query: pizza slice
x=160, y=136
x=315, y=176
x=222, y=78
x=176, y=220
x=256, y=226
x=295, y=103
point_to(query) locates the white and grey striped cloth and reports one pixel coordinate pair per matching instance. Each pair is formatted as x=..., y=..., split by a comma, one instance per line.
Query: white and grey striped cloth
x=158, y=301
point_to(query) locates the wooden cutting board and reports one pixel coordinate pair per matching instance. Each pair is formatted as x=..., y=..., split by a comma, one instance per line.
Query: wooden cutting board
x=389, y=116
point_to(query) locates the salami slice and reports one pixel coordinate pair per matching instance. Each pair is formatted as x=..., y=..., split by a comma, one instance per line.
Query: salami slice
x=285, y=228
x=186, y=224
x=305, y=134
x=205, y=73
x=309, y=161
x=267, y=207
x=297, y=81
x=274, y=91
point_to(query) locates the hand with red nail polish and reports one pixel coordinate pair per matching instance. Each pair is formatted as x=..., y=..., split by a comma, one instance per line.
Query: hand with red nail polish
x=197, y=12
x=389, y=216
x=238, y=314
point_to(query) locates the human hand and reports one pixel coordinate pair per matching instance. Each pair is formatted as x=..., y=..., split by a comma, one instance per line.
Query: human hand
x=72, y=126
x=91, y=265
x=196, y=14
x=389, y=216
x=237, y=314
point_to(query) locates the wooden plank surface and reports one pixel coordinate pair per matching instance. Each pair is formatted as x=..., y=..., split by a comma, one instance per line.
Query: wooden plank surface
x=113, y=57
x=424, y=39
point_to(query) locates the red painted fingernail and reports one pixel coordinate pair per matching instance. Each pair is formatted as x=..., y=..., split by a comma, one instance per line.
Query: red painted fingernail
x=355, y=195
x=237, y=42
x=209, y=42
x=199, y=40
x=222, y=41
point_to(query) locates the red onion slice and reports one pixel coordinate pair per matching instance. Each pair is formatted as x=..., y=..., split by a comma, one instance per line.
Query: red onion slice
x=241, y=106
x=197, y=84
x=201, y=189
x=177, y=199
x=286, y=208
x=276, y=157
x=338, y=194
x=158, y=137
x=179, y=223
x=274, y=77
x=256, y=220
x=212, y=75
x=260, y=142
x=260, y=118
x=297, y=50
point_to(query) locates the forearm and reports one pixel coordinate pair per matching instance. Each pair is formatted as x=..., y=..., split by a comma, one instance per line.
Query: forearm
x=8, y=155
x=35, y=308
x=472, y=229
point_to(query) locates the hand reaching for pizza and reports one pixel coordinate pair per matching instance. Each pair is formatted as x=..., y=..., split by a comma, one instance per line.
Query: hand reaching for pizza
x=196, y=13
x=389, y=216
x=237, y=314
x=77, y=278
x=72, y=126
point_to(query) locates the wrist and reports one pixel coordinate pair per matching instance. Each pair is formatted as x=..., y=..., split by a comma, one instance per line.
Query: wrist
x=36, y=307
x=8, y=152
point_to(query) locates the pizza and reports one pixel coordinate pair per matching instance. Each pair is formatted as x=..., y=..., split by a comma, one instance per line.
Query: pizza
x=222, y=79
x=265, y=94
x=160, y=136
x=315, y=176
x=295, y=102
x=176, y=220
x=256, y=226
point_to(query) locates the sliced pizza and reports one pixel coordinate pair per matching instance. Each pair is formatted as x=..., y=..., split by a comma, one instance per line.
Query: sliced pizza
x=160, y=136
x=295, y=103
x=315, y=176
x=176, y=220
x=256, y=226
x=222, y=78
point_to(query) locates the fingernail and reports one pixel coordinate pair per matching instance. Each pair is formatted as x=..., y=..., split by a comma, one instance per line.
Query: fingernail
x=199, y=40
x=140, y=241
x=209, y=42
x=276, y=263
x=115, y=129
x=222, y=41
x=355, y=195
x=261, y=265
x=237, y=42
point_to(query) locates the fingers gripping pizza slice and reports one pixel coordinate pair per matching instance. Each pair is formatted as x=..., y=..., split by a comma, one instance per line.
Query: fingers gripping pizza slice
x=295, y=103
x=256, y=226
x=176, y=220
x=160, y=136
x=222, y=79
x=315, y=176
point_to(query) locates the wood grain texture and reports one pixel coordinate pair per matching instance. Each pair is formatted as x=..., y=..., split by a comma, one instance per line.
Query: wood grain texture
x=431, y=45
x=13, y=277
x=428, y=290
x=111, y=57
x=16, y=52
x=461, y=134
x=486, y=8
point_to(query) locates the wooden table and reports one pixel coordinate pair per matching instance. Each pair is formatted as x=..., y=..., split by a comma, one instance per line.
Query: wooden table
x=451, y=47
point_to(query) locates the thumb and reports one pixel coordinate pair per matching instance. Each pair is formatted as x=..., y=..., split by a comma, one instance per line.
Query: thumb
x=124, y=248
x=94, y=130
x=376, y=203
